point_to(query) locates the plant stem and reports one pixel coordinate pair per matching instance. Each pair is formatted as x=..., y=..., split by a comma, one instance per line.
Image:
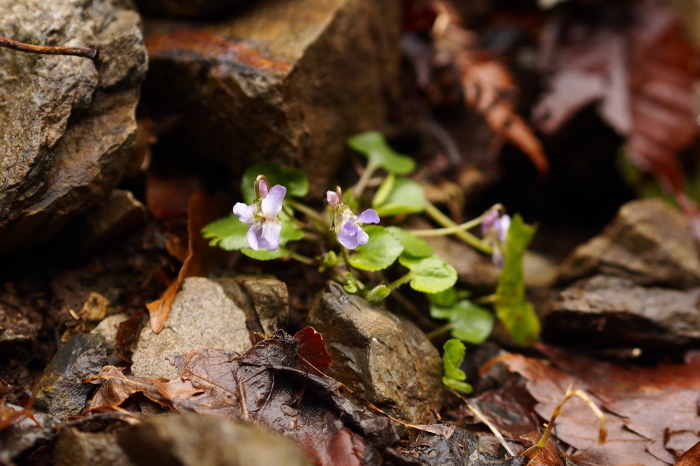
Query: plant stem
x=303, y=259
x=439, y=331
x=346, y=258
x=447, y=230
x=48, y=49
x=486, y=299
x=308, y=211
x=447, y=222
x=401, y=280
x=364, y=179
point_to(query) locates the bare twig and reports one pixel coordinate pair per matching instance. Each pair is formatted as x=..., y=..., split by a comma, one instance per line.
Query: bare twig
x=493, y=428
x=48, y=49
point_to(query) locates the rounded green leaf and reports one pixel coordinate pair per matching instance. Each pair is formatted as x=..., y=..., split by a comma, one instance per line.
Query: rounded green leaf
x=373, y=145
x=293, y=179
x=379, y=253
x=402, y=196
x=265, y=255
x=228, y=233
x=430, y=274
x=377, y=293
x=457, y=385
x=452, y=358
x=412, y=244
x=470, y=322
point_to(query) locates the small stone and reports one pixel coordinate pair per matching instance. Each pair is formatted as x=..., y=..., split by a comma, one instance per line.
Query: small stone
x=22, y=435
x=203, y=316
x=60, y=392
x=615, y=312
x=194, y=440
x=76, y=447
x=282, y=82
x=68, y=123
x=384, y=358
x=648, y=242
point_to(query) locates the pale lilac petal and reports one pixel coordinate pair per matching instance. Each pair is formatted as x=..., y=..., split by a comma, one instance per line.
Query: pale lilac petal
x=254, y=235
x=368, y=216
x=347, y=234
x=270, y=238
x=263, y=188
x=272, y=204
x=362, y=237
x=333, y=198
x=502, y=227
x=246, y=213
x=489, y=221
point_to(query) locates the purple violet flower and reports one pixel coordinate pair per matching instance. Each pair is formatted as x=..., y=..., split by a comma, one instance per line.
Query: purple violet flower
x=261, y=216
x=348, y=226
x=494, y=229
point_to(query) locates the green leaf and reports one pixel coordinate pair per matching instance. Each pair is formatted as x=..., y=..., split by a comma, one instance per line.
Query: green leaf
x=412, y=244
x=330, y=259
x=469, y=322
x=444, y=298
x=264, y=254
x=379, y=253
x=293, y=179
x=451, y=359
x=228, y=233
x=512, y=308
x=399, y=196
x=380, y=154
x=430, y=274
x=377, y=293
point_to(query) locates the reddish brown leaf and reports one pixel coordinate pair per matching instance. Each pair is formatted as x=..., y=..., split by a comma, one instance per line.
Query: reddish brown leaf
x=9, y=415
x=642, y=70
x=690, y=457
x=312, y=350
x=202, y=209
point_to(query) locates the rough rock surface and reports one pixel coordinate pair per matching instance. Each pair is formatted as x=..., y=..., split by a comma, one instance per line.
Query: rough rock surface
x=187, y=8
x=648, y=242
x=384, y=358
x=190, y=439
x=203, y=315
x=614, y=312
x=60, y=392
x=285, y=81
x=68, y=123
x=76, y=447
x=264, y=300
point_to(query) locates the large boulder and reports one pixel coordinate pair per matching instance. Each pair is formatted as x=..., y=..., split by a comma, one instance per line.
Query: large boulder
x=286, y=81
x=68, y=123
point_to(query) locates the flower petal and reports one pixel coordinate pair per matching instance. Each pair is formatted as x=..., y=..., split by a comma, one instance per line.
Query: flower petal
x=272, y=204
x=246, y=213
x=362, y=237
x=347, y=234
x=368, y=216
x=502, y=226
x=263, y=188
x=489, y=221
x=254, y=235
x=270, y=238
x=332, y=198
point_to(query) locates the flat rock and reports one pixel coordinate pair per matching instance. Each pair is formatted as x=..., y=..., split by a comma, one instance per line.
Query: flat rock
x=68, y=122
x=280, y=81
x=648, y=242
x=203, y=316
x=264, y=299
x=615, y=312
x=194, y=440
x=187, y=8
x=76, y=447
x=385, y=359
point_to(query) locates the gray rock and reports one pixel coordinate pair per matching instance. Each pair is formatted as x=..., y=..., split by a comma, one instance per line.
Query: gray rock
x=281, y=81
x=614, y=312
x=264, y=299
x=74, y=447
x=68, y=122
x=60, y=392
x=385, y=359
x=190, y=439
x=22, y=435
x=187, y=8
x=648, y=242
x=202, y=316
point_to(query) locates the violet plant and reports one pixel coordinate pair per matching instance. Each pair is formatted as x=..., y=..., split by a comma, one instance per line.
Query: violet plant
x=354, y=249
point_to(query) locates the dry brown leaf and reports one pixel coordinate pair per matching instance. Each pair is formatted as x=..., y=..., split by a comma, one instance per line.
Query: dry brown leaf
x=487, y=85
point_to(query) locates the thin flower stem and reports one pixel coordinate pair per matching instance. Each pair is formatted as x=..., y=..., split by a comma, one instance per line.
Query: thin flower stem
x=439, y=331
x=486, y=299
x=457, y=228
x=364, y=179
x=447, y=222
x=309, y=212
x=303, y=259
x=48, y=49
x=346, y=258
x=314, y=236
x=401, y=281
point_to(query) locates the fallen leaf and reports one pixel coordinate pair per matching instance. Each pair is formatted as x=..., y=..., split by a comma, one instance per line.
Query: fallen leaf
x=690, y=457
x=8, y=415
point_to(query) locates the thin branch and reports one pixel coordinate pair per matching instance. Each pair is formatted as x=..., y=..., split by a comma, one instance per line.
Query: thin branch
x=48, y=49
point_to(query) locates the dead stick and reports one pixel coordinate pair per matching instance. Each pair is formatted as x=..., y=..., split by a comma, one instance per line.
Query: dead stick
x=48, y=49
